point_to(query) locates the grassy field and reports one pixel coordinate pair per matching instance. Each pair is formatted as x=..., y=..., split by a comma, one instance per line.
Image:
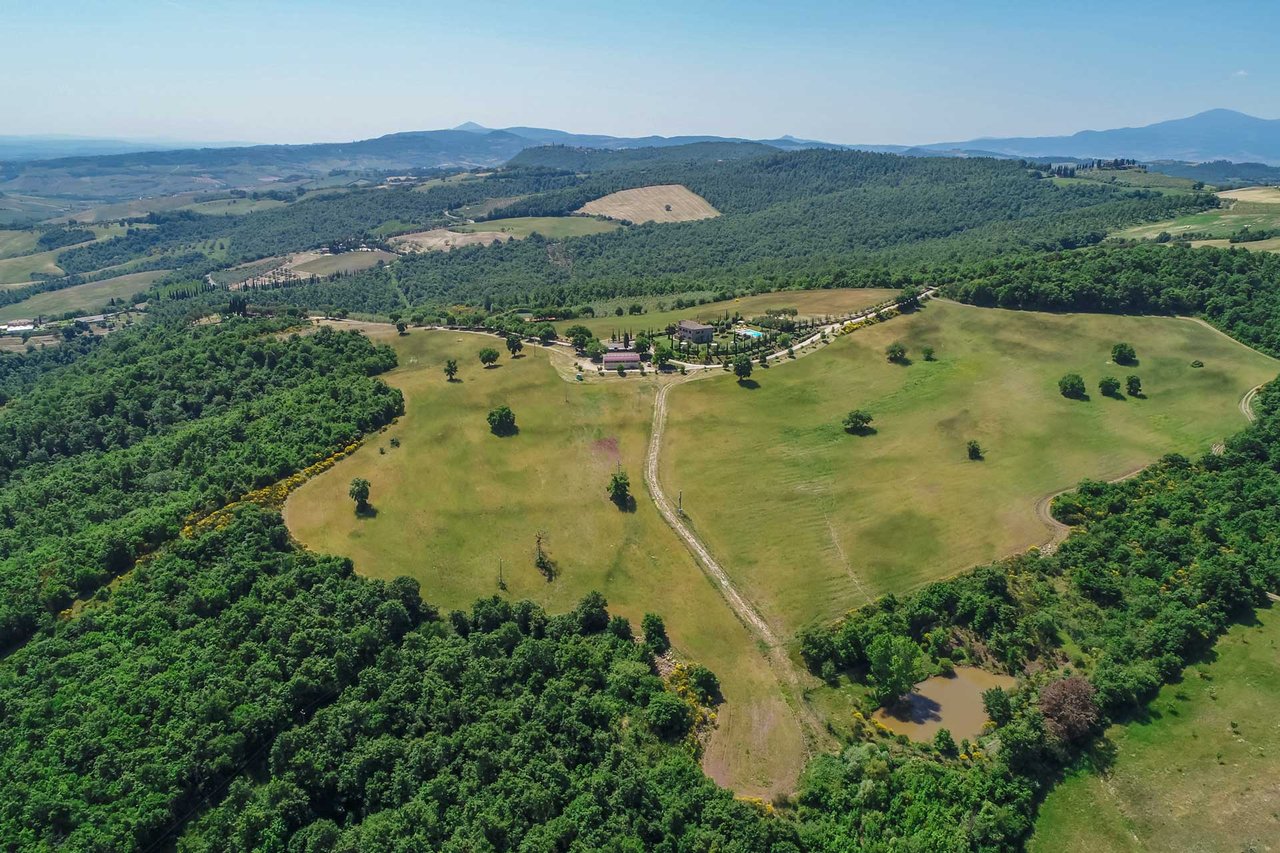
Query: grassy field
x=18, y=270
x=1199, y=775
x=15, y=243
x=224, y=206
x=811, y=521
x=810, y=303
x=83, y=298
x=554, y=227
x=664, y=203
x=344, y=262
x=1260, y=195
x=1250, y=210
x=456, y=504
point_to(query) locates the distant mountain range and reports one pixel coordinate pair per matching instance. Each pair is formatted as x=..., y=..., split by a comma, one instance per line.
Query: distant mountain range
x=48, y=147
x=1210, y=135
x=92, y=169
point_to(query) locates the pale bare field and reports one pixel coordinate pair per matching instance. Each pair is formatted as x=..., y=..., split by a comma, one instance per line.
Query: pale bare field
x=1260, y=195
x=442, y=239
x=664, y=203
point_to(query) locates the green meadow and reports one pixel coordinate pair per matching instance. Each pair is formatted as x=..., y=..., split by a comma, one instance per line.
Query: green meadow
x=812, y=521
x=459, y=508
x=548, y=226
x=810, y=303
x=83, y=298
x=1198, y=774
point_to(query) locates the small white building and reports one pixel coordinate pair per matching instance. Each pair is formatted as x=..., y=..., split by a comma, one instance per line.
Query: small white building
x=17, y=327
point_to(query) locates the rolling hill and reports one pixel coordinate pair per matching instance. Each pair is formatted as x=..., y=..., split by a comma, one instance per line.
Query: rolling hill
x=1210, y=135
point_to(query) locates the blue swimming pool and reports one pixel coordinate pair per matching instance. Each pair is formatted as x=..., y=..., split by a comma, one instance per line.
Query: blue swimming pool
x=750, y=333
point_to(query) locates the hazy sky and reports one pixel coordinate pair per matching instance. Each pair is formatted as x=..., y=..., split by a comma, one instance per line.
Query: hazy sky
x=891, y=72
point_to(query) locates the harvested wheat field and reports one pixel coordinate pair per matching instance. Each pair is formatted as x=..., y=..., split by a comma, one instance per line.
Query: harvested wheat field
x=665, y=203
x=442, y=240
x=1258, y=195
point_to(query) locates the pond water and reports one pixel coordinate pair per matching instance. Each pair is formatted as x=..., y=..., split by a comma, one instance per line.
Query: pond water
x=953, y=702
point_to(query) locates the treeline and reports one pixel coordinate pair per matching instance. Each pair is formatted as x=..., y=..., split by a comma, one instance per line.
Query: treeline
x=243, y=695
x=1236, y=290
x=102, y=458
x=1163, y=564
x=867, y=235
x=56, y=238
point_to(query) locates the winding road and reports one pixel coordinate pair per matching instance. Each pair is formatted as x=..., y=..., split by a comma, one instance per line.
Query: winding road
x=1044, y=506
x=789, y=676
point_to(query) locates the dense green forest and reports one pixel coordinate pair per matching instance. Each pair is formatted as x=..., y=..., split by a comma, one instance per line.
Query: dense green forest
x=1236, y=290
x=801, y=219
x=234, y=657
x=104, y=451
x=809, y=219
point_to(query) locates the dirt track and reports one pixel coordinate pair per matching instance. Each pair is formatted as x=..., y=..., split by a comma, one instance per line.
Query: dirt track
x=1062, y=531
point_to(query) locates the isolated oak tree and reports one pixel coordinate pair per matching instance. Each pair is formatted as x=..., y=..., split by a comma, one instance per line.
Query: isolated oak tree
x=1072, y=386
x=896, y=352
x=1133, y=385
x=488, y=356
x=502, y=421
x=451, y=369
x=620, y=488
x=857, y=421
x=359, y=492
x=1109, y=386
x=514, y=345
x=1123, y=353
x=742, y=367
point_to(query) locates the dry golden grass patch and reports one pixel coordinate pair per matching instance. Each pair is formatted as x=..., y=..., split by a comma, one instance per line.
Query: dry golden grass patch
x=1260, y=195
x=664, y=203
x=442, y=240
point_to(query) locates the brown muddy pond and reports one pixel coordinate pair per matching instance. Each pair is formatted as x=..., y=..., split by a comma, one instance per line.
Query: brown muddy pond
x=951, y=702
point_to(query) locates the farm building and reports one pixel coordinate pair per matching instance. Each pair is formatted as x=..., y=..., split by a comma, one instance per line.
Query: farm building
x=20, y=326
x=694, y=332
x=626, y=359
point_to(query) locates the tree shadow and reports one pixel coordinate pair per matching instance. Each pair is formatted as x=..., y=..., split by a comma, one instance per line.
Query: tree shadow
x=367, y=511
x=492, y=366
x=1083, y=398
x=1116, y=396
x=749, y=384
x=863, y=430
x=505, y=432
x=914, y=708
x=627, y=504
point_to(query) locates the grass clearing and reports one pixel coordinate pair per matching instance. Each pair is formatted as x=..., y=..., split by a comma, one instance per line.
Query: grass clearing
x=811, y=521
x=552, y=227
x=1198, y=775
x=663, y=203
x=303, y=264
x=16, y=243
x=810, y=303
x=455, y=503
x=83, y=298
x=1259, y=195
x=20, y=269
x=1250, y=210
x=444, y=239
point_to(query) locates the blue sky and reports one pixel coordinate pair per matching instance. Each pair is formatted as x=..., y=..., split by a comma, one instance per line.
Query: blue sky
x=901, y=72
